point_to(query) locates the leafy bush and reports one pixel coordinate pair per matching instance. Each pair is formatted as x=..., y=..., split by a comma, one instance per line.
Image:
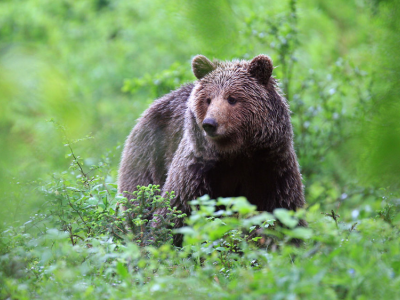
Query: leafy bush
x=74, y=251
x=81, y=245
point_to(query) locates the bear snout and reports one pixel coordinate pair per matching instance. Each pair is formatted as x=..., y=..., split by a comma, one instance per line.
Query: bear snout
x=210, y=126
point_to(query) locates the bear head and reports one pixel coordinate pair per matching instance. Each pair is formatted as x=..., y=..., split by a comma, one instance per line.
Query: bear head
x=237, y=105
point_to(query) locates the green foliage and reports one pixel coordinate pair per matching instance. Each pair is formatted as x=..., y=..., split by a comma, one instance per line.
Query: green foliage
x=227, y=253
x=160, y=84
x=138, y=212
x=85, y=205
x=94, y=66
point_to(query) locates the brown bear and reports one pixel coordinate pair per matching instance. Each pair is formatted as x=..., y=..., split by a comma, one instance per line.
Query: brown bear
x=229, y=134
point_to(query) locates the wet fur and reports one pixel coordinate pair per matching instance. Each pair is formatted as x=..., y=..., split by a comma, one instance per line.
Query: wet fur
x=253, y=156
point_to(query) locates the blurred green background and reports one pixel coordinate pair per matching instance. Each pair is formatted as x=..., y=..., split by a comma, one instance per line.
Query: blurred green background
x=75, y=76
x=94, y=66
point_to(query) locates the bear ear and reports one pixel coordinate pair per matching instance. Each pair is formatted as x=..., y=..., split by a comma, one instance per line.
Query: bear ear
x=201, y=66
x=261, y=68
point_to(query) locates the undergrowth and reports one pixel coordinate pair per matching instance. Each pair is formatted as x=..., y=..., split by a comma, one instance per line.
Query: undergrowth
x=86, y=242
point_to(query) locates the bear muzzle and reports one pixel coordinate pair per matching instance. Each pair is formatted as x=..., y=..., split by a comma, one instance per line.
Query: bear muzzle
x=210, y=126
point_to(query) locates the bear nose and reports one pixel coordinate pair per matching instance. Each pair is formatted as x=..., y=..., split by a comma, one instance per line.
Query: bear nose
x=210, y=126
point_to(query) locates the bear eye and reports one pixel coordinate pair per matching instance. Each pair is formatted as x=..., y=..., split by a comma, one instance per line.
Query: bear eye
x=208, y=101
x=231, y=100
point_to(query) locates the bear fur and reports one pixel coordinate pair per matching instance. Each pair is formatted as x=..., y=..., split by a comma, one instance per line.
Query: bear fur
x=228, y=134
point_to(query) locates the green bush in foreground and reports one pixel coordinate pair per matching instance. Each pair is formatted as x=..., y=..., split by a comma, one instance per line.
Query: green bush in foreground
x=79, y=246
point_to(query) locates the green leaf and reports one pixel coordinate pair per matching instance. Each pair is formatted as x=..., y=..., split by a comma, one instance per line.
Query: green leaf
x=285, y=217
x=185, y=230
x=259, y=219
x=242, y=206
x=300, y=233
x=122, y=270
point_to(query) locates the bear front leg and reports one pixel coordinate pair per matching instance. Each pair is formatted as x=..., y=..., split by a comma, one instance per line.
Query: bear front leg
x=287, y=187
x=186, y=179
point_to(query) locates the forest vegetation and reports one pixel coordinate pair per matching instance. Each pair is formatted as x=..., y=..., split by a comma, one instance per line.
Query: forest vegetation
x=74, y=77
